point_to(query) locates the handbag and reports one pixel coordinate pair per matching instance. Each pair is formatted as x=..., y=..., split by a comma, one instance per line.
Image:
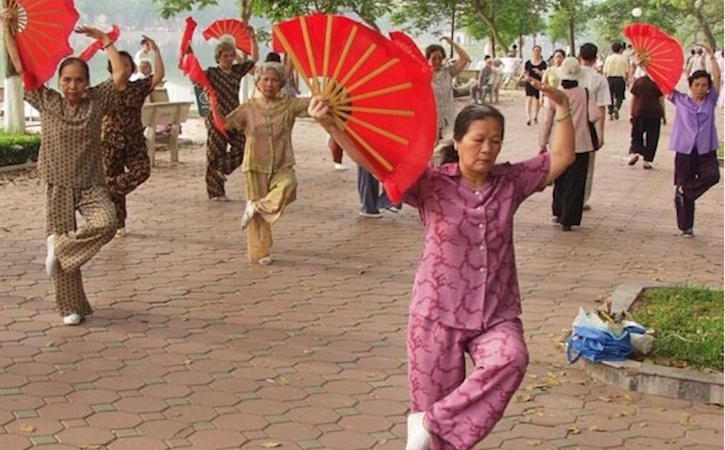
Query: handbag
x=592, y=125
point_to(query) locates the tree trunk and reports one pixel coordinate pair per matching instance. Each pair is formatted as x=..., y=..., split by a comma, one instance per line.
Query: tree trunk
x=480, y=11
x=14, y=121
x=572, y=45
x=246, y=8
x=492, y=40
x=705, y=28
x=521, y=46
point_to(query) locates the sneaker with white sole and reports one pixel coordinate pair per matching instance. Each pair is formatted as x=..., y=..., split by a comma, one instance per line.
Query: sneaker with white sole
x=249, y=212
x=121, y=232
x=339, y=166
x=375, y=215
x=418, y=437
x=688, y=233
x=72, y=319
x=51, y=261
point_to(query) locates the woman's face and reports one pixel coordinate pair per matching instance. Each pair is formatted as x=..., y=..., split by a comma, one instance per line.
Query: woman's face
x=73, y=82
x=226, y=59
x=699, y=88
x=537, y=52
x=436, y=60
x=558, y=59
x=480, y=146
x=269, y=84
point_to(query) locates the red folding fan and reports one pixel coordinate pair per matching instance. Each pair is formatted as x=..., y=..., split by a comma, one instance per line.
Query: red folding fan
x=408, y=44
x=379, y=93
x=92, y=49
x=41, y=34
x=189, y=65
x=660, y=55
x=230, y=27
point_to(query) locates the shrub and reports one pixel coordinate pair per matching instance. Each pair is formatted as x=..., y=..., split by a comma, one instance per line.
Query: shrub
x=18, y=148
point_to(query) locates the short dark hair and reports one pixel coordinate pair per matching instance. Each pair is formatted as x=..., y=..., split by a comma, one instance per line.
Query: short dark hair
x=273, y=57
x=432, y=48
x=144, y=41
x=73, y=60
x=127, y=55
x=700, y=74
x=560, y=50
x=588, y=52
x=536, y=46
x=487, y=57
x=617, y=47
x=464, y=119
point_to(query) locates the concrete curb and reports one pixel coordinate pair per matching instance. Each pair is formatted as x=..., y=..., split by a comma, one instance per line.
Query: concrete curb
x=14, y=167
x=686, y=384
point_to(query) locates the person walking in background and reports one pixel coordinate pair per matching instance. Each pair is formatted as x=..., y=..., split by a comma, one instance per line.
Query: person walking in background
x=598, y=88
x=371, y=199
x=534, y=69
x=125, y=156
x=568, y=195
x=443, y=74
x=616, y=69
x=336, y=152
x=647, y=113
x=694, y=141
x=225, y=80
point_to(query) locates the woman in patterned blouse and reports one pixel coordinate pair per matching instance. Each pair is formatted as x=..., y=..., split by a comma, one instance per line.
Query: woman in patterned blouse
x=466, y=297
x=225, y=80
x=125, y=156
x=269, y=174
x=70, y=165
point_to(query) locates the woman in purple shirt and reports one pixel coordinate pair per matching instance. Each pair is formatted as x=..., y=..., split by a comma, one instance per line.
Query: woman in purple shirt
x=694, y=139
x=466, y=296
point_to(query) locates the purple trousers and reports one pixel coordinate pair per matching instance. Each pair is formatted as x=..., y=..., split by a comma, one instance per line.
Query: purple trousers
x=461, y=410
x=695, y=174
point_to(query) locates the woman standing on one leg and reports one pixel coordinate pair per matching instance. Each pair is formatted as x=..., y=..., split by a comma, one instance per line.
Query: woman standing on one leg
x=269, y=175
x=647, y=113
x=694, y=139
x=125, y=156
x=466, y=297
x=71, y=167
x=534, y=68
x=225, y=80
x=568, y=195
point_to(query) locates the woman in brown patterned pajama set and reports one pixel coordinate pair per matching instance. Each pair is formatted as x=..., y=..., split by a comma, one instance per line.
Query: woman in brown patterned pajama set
x=225, y=80
x=125, y=156
x=70, y=164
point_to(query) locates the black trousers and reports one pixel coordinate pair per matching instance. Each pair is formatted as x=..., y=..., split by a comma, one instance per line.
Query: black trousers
x=617, y=87
x=369, y=189
x=695, y=174
x=645, y=137
x=568, y=197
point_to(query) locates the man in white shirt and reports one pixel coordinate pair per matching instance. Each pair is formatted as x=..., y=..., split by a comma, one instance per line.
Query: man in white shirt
x=598, y=87
x=144, y=52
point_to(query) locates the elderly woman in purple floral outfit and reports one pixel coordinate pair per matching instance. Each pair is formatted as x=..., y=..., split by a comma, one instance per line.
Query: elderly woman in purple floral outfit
x=466, y=296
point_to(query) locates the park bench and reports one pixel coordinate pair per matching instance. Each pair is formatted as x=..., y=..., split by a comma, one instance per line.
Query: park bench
x=164, y=113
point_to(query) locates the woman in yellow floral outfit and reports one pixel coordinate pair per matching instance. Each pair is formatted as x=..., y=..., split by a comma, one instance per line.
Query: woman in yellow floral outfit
x=269, y=174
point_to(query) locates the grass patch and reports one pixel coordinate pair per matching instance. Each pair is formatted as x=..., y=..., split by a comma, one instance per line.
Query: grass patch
x=18, y=148
x=688, y=324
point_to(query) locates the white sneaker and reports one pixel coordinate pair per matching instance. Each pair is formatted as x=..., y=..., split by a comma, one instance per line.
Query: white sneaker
x=339, y=166
x=376, y=215
x=51, y=262
x=265, y=261
x=121, y=232
x=249, y=212
x=72, y=319
x=418, y=437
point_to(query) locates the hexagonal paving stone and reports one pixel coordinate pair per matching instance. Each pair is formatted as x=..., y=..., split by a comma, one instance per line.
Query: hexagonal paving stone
x=364, y=423
x=190, y=413
x=188, y=378
x=348, y=387
x=47, y=389
x=240, y=422
x=12, y=442
x=292, y=431
x=217, y=439
x=65, y=411
x=85, y=436
x=347, y=439
x=213, y=399
x=165, y=391
x=39, y=426
x=141, y=405
x=312, y=415
x=114, y=420
x=138, y=443
x=282, y=393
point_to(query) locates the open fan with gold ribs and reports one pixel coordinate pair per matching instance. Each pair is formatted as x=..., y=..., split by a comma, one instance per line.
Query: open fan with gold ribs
x=234, y=28
x=660, y=55
x=41, y=34
x=379, y=92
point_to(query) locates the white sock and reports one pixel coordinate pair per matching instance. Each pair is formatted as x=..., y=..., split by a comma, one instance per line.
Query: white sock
x=418, y=437
x=51, y=262
x=72, y=319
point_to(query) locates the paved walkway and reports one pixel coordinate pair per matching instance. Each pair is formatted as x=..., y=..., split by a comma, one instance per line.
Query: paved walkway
x=191, y=346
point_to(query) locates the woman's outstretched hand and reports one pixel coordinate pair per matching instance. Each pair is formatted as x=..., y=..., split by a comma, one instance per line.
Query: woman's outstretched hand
x=320, y=111
x=91, y=32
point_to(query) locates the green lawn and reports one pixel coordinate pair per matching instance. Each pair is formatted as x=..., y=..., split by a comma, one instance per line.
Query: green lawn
x=688, y=324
